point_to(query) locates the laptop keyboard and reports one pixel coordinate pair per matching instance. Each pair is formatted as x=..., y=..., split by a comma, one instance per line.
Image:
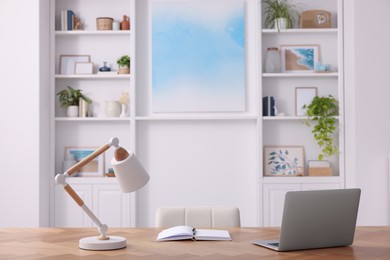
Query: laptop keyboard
x=273, y=244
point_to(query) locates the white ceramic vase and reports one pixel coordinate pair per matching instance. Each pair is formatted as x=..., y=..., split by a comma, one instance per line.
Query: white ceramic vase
x=113, y=108
x=72, y=111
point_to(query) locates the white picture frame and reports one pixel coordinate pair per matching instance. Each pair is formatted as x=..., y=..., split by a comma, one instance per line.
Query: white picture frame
x=94, y=168
x=68, y=62
x=83, y=68
x=303, y=96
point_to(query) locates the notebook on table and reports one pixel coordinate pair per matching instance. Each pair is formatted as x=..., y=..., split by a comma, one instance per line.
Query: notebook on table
x=187, y=232
x=316, y=219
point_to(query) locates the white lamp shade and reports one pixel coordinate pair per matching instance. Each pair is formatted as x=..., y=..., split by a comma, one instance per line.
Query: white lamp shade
x=130, y=173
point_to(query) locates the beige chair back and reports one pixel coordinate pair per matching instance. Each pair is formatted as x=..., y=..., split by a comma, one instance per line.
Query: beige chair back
x=199, y=217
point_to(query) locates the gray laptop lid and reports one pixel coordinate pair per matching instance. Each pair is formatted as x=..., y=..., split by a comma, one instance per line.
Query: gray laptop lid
x=319, y=218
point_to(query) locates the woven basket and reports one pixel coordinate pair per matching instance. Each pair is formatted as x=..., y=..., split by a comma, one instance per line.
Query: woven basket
x=104, y=23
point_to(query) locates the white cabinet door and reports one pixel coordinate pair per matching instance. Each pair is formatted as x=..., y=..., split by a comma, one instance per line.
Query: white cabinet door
x=321, y=186
x=273, y=196
x=111, y=206
x=67, y=212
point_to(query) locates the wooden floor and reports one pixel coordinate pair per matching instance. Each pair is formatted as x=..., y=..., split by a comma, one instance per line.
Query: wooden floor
x=62, y=243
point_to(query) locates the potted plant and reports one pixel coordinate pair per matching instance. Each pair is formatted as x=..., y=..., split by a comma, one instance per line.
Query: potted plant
x=279, y=14
x=323, y=111
x=124, y=64
x=70, y=99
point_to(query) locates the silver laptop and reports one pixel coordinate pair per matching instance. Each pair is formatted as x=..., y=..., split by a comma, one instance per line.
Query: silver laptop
x=316, y=219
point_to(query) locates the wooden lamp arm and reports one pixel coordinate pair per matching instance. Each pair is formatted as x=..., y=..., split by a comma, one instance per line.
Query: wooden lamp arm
x=60, y=179
x=87, y=159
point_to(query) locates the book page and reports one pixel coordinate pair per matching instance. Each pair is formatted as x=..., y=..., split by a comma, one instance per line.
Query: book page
x=212, y=234
x=176, y=233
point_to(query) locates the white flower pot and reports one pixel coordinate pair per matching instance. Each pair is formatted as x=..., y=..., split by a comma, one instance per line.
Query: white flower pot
x=281, y=24
x=72, y=111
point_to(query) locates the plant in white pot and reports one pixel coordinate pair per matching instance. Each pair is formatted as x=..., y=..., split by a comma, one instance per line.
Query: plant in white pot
x=279, y=14
x=322, y=111
x=124, y=64
x=70, y=99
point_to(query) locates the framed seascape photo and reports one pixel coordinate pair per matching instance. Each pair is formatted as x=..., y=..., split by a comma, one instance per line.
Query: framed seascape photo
x=303, y=96
x=299, y=58
x=83, y=68
x=68, y=62
x=283, y=161
x=94, y=168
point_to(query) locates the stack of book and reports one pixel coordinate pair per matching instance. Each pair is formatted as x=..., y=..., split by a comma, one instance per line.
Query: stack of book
x=319, y=168
x=68, y=20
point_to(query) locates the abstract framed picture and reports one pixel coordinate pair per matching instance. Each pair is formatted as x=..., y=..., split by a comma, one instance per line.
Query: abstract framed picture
x=283, y=161
x=303, y=96
x=299, y=58
x=95, y=168
x=198, y=56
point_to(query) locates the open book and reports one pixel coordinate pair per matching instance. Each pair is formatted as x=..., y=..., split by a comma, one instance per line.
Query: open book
x=186, y=232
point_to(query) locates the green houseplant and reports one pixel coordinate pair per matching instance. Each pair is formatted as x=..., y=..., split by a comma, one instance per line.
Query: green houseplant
x=70, y=99
x=279, y=14
x=323, y=110
x=124, y=64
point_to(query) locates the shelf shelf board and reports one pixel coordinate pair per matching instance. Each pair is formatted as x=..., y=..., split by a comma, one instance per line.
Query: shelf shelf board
x=200, y=117
x=299, y=30
x=92, y=119
x=301, y=179
x=300, y=75
x=287, y=118
x=89, y=180
x=92, y=32
x=93, y=76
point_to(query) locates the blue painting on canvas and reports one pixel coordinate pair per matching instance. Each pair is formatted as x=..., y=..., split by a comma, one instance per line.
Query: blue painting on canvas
x=198, y=56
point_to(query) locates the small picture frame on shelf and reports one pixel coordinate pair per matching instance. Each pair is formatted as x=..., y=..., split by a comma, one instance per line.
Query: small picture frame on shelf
x=68, y=63
x=283, y=161
x=303, y=96
x=83, y=68
x=94, y=168
x=299, y=58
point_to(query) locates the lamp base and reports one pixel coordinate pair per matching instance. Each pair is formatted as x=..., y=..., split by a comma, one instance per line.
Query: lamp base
x=93, y=243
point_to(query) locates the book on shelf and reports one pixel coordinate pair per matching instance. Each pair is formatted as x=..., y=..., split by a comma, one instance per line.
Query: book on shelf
x=68, y=19
x=319, y=168
x=190, y=233
x=268, y=106
x=319, y=164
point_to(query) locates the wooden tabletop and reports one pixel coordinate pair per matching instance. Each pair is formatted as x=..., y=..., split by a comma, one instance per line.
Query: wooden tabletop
x=62, y=243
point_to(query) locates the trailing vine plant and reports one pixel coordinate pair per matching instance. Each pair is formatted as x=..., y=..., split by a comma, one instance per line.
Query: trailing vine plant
x=323, y=110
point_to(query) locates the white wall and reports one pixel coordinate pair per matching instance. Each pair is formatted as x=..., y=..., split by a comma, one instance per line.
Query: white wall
x=21, y=110
x=196, y=162
x=372, y=107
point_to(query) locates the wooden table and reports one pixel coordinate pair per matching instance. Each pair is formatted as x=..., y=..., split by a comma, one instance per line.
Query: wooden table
x=62, y=243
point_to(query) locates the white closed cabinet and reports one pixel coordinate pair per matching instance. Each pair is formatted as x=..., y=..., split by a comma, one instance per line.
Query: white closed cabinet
x=274, y=195
x=111, y=205
x=106, y=201
x=67, y=212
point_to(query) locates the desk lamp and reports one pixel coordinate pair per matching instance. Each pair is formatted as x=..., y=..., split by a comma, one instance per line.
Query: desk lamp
x=131, y=177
